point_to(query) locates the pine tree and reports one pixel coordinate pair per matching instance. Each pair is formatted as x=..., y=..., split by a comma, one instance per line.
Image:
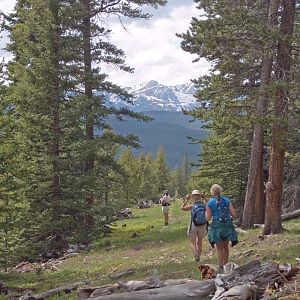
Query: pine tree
x=274, y=185
x=227, y=36
x=36, y=96
x=184, y=176
x=254, y=208
x=129, y=165
x=91, y=40
x=162, y=171
x=12, y=204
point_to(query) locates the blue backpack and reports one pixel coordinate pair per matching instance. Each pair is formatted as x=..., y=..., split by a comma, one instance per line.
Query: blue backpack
x=198, y=214
x=223, y=210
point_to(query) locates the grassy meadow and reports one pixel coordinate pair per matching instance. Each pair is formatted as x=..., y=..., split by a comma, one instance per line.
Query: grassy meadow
x=144, y=244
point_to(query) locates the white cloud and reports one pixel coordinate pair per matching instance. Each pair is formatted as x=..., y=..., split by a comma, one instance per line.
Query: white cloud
x=7, y=5
x=154, y=50
x=151, y=47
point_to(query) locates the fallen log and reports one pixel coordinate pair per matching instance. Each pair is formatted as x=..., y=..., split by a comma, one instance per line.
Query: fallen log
x=189, y=291
x=121, y=274
x=67, y=289
x=259, y=275
x=291, y=215
x=253, y=277
x=130, y=286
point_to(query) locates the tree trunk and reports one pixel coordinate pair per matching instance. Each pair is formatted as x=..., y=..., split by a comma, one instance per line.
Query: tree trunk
x=88, y=88
x=88, y=91
x=280, y=128
x=55, y=124
x=254, y=208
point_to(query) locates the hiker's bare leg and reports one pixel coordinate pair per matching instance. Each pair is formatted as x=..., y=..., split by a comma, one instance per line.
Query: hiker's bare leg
x=226, y=251
x=166, y=217
x=193, y=242
x=220, y=251
x=199, y=245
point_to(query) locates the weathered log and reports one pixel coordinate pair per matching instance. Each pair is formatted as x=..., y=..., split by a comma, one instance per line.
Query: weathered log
x=121, y=274
x=171, y=282
x=93, y=292
x=291, y=215
x=108, y=291
x=62, y=289
x=261, y=275
x=195, y=290
x=241, y=292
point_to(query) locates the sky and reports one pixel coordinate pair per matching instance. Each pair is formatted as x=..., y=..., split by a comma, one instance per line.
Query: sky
x=151, y=46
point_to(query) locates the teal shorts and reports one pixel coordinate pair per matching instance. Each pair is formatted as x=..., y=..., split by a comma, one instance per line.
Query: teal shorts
x=222, y=231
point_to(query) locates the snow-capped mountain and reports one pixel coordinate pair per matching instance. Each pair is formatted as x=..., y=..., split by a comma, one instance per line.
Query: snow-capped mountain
x=153, y=96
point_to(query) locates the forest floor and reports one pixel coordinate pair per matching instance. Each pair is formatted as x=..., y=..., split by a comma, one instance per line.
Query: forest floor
x=143, y=244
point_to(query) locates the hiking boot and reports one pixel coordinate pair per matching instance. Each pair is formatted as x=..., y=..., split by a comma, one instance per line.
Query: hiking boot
x=166, y=224
x=197, y=257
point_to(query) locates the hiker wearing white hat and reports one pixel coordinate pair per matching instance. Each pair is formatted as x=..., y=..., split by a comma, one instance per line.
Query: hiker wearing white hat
x=197, y=228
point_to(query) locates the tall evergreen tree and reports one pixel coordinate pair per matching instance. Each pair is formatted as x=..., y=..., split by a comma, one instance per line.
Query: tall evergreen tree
x=129, y=165
x=12, y=203
x=184, y=176
x=35, y=92
x=254, y=208
x=274, y=185
x=162, y=171
x=91, y=39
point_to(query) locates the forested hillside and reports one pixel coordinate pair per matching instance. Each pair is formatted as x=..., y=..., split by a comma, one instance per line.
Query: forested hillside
x=174, y=131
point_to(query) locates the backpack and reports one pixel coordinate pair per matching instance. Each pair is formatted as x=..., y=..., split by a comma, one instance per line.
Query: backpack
x=223, y=210
x=198, y=214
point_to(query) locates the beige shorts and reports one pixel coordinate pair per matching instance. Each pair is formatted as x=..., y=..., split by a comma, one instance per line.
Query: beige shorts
x=165, y=209
x=196, y=231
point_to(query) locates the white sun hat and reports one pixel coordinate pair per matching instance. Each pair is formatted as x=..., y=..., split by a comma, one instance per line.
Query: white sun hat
x=196, y=192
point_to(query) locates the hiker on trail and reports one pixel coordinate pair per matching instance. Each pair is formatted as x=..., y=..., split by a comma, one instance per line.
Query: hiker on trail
x=221, y=231
x=198, y=225
x=165, y=203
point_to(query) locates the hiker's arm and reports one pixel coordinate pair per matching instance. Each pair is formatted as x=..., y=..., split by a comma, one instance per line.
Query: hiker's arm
x=232, y=210
x=186, y=207
x=208, y=213
x=204, y=198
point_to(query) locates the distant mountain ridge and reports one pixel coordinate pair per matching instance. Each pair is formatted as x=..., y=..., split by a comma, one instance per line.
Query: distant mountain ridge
x=153, y=96
x=168, y=129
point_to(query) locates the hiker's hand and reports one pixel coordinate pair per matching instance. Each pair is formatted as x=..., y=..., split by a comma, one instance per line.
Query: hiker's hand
x=187, y=197
x=203, y=197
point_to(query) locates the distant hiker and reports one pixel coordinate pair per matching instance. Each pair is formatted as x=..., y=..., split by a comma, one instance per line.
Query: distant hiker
x=198, y=225
x=221, y=231
x=165, y=203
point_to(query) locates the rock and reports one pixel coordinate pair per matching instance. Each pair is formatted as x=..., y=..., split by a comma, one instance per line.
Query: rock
x=134, y=235
x=125, y=214
x=26, y=266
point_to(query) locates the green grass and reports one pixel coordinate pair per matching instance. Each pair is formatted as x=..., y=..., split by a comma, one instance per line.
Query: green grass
x=154, y=247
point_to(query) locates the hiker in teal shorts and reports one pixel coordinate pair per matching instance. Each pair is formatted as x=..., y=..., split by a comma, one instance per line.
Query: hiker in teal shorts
x=221, y=230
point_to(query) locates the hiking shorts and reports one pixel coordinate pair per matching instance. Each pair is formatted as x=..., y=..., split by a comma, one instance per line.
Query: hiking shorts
x=222, y=231
x=165, y=209
x=196, y=231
